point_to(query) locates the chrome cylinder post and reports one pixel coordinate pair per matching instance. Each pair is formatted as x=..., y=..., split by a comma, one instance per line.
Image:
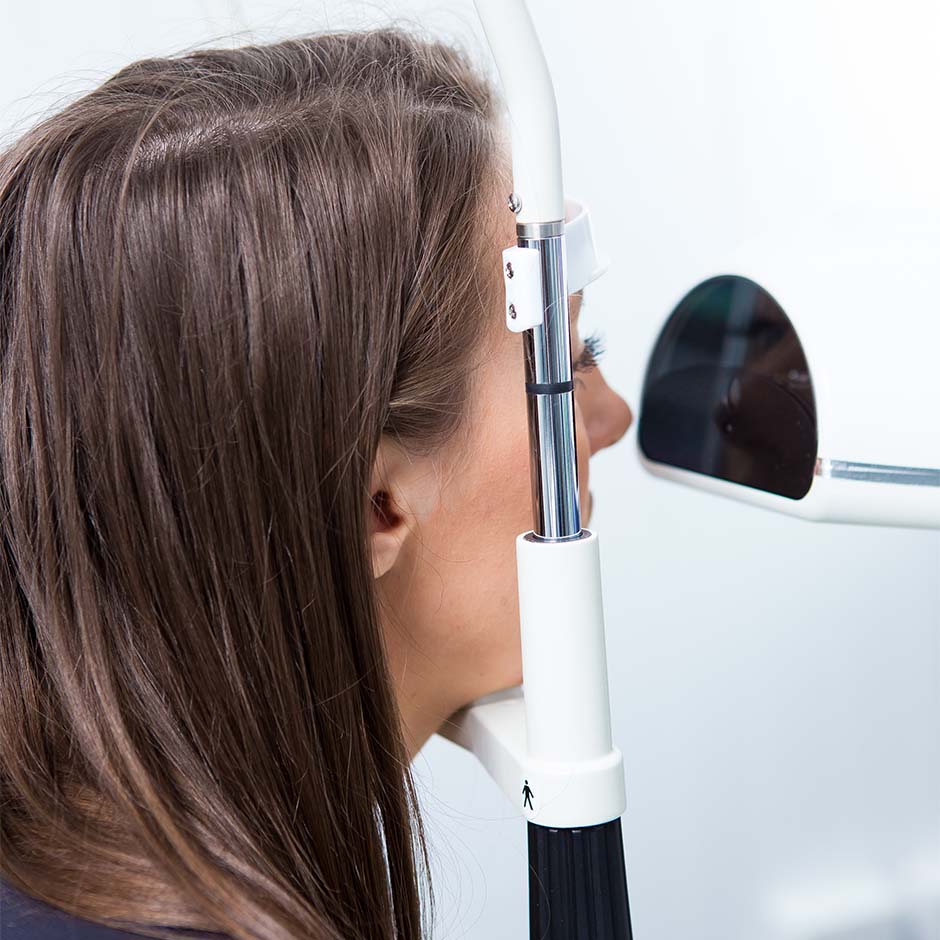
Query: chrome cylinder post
x=550, y=392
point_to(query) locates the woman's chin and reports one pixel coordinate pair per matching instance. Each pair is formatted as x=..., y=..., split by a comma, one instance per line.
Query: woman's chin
x=514, y=679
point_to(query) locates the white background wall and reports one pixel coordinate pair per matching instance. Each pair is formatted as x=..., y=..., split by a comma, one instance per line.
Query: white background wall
x=775, y=684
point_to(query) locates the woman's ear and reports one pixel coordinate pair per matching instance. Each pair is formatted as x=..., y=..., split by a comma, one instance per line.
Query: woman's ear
x=389, y=528
x=399, y=498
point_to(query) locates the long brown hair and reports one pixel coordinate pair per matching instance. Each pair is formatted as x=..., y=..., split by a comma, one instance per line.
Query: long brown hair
x=223, y=277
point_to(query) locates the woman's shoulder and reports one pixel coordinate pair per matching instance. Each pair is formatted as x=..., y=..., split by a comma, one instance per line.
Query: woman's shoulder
x=25, y=918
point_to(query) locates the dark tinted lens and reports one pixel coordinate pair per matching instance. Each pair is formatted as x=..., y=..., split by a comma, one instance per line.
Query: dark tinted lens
x=728, y=392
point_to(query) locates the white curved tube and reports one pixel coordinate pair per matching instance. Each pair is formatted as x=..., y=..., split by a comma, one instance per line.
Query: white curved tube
x=533, y=115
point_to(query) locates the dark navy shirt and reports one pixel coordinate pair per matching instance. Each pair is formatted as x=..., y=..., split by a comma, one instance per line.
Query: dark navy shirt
x=24, y=918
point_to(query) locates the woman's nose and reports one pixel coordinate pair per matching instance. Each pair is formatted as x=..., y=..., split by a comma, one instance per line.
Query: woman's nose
x=607, y=416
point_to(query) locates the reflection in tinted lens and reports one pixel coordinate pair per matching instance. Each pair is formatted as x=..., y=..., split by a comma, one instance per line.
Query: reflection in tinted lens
x=728, y=392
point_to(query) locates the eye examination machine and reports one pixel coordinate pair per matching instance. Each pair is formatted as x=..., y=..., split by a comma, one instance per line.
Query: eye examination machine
x=548, y=743
x=803, y=376
x=774, y=380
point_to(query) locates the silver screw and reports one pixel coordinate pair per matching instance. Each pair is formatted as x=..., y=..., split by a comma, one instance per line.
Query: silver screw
x=515, y=203
x=512, y=311
x=509, y=271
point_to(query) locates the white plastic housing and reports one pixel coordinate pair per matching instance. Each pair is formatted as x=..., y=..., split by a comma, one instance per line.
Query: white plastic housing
x=564, y=654
x=864, y=298
x=584, y=263
x=828, y=500
x=552, y=736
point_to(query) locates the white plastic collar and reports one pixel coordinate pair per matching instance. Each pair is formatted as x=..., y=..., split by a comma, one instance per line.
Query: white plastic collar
x=584, y=264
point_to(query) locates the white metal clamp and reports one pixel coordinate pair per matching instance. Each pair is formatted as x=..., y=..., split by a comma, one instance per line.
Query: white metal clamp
x=522, y=273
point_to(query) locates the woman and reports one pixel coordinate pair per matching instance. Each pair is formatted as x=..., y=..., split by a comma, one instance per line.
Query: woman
x=263, y=459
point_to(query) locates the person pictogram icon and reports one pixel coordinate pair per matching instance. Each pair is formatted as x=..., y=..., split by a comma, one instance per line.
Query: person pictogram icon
x=527, y=795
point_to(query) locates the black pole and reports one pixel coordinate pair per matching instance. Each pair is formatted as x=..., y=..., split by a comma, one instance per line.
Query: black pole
x=578, y=883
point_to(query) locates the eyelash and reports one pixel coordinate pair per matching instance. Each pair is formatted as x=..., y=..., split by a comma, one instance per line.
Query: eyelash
x=591, y=354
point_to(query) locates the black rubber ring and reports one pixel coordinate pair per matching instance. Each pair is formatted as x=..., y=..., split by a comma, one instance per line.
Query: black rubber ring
x=549, y=388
